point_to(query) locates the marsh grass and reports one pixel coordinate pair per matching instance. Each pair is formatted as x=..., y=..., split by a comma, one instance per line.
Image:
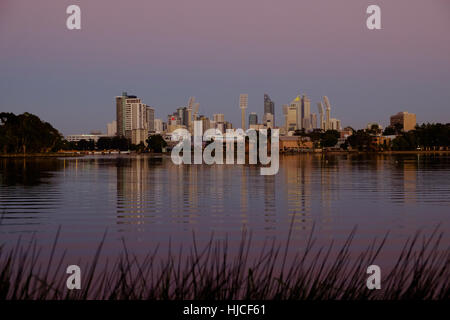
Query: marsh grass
x=216, y=271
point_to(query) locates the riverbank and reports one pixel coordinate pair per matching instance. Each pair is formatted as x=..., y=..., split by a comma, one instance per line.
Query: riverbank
x=40, y=155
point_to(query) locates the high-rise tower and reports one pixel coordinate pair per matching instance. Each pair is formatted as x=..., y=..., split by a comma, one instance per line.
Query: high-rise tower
x=306, y=113
x=243, y=103
x=320, y=109
x=269, y=108
x=328, y=106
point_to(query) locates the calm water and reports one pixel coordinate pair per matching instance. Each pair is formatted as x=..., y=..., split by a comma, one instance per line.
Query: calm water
x=146, y=200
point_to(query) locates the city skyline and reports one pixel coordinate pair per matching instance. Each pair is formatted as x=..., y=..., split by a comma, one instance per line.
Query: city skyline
x=67, y=77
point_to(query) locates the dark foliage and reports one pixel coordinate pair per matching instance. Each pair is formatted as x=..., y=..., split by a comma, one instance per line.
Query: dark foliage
x=26, y=133
x=156, y=143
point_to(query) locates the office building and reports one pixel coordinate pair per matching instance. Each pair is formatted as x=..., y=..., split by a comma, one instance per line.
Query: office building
x=219, y=118
x=269, y=107
x=151, y=119
x=243, y=104
x=252, y=118
x=158, y=126
x=111, y=128
x=405, y=119
x=314, y=121
x=131, y=120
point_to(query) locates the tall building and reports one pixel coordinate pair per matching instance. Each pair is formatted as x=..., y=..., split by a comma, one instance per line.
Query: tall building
x=306, y=113
x=335, y=124
x=285, y=114
x=405, y=119
x=243, y=104
x=190, y=108
x=268, y=120
x=313, y=121
x=269, y=107
x=291, y=123
x=328, y=113
x=111, y=128
x=206, y=123
x=151, y=118
x=183, y=115
x=297, y=105
x=321, y=117
x=302, y=105
x=158, y=125
x=122, y=113
x=252, y=118
x=131, y=118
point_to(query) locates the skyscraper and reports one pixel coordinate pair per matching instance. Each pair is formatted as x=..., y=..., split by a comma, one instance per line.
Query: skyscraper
x=269, y=108
x=297, y=105
x=252, y=119
x=243, y=103
x=327, y=119
x=122, y=116
x=321, y=118
x=306, y=113
x=183, y=115
x=158, y=125
x=150, y=118
x=313, y=120
x=190, y=109
x=131, y=116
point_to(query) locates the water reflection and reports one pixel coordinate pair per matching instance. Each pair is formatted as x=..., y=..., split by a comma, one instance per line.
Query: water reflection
x=151, y=198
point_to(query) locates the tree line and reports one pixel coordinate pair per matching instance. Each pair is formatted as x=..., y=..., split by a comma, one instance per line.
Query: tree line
x=26, y=133
x=424, y=137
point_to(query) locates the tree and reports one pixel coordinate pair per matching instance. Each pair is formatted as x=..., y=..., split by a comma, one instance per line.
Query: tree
x=329, y=138
x=26, y=133
x=360, y=140
x=156, y=143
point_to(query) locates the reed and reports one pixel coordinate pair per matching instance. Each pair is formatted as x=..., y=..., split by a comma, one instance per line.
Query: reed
x=217, y=271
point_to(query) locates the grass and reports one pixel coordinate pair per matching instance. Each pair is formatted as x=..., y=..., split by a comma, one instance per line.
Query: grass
x=421, y=271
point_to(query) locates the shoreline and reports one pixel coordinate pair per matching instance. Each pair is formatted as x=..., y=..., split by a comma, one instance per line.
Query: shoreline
x=78, y=154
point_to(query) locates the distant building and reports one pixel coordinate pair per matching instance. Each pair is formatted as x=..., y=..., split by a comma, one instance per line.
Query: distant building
x=302, y=107
x=131, y=118
x=219, y=118
x=206, y=123
x=306, y=113
x=158, y=125
x=183, y=116
x=268, y=120
x=295, y=143
x=151, y=118
x=269, y=108
x=314, y=120
x=87, y=137
x=111, y=128
x=374, y=125
x=335, y=124
x=405, y=119
x=291, y=117
x=243, y=104
x=252, y=119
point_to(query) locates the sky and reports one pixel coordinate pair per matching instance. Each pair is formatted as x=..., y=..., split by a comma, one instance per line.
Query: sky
x=165, y=51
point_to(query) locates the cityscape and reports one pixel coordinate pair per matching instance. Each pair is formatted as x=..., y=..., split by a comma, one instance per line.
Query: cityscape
x=136, y=122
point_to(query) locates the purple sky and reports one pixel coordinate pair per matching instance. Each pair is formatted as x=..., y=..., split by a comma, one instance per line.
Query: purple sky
x=167, y=50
